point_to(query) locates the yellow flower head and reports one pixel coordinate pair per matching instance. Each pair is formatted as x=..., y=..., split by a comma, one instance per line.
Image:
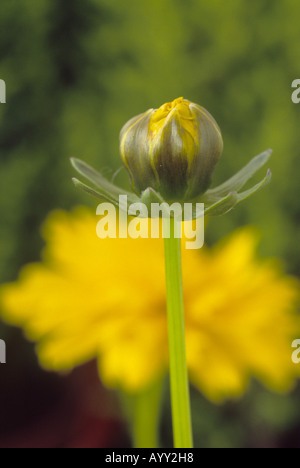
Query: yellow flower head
x=106, y=299
x=173, y=149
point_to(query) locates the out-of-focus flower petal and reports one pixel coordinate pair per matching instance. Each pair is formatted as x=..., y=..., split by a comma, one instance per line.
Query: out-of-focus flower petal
x=106, y=299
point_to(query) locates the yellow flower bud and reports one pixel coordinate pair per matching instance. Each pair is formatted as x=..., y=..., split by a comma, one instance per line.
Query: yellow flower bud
x=173, y=149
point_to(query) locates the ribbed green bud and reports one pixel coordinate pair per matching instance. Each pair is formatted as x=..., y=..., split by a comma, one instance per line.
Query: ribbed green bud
x=173, y=149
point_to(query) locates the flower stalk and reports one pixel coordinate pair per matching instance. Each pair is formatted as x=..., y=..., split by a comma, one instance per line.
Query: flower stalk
x=146, y=416
x=180, y=399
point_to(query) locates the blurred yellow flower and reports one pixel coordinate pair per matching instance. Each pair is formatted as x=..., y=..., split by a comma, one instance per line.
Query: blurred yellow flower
x=106, y=299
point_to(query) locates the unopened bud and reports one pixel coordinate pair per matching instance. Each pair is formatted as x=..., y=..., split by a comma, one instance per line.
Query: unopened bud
x=173, y=149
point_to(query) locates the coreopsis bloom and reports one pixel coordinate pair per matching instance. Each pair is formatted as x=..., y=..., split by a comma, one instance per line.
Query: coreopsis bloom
x=105, y=299
x=170, y=154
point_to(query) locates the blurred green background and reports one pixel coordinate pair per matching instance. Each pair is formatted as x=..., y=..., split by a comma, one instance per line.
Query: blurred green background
x=76, y=71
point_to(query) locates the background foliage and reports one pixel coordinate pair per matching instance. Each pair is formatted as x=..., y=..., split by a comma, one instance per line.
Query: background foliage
x=77, y=71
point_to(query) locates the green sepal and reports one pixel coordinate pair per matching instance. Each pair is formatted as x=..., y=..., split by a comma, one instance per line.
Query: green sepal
x=100, y=196
x=222, y=206
x=105, y=190
x=217, y=201
x=235, y=183
x=226, y=204
x=150, y=196
x=244, y=195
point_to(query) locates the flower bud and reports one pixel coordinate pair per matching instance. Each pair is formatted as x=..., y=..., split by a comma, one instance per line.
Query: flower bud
x=173, y=149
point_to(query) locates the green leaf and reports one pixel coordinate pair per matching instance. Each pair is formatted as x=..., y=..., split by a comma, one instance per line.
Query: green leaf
x=105, y=188
x=235, y=183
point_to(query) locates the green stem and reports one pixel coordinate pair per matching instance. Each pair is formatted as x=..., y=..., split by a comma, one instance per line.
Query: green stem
x=146, y=417
x=142, y=411
x=180, y=399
